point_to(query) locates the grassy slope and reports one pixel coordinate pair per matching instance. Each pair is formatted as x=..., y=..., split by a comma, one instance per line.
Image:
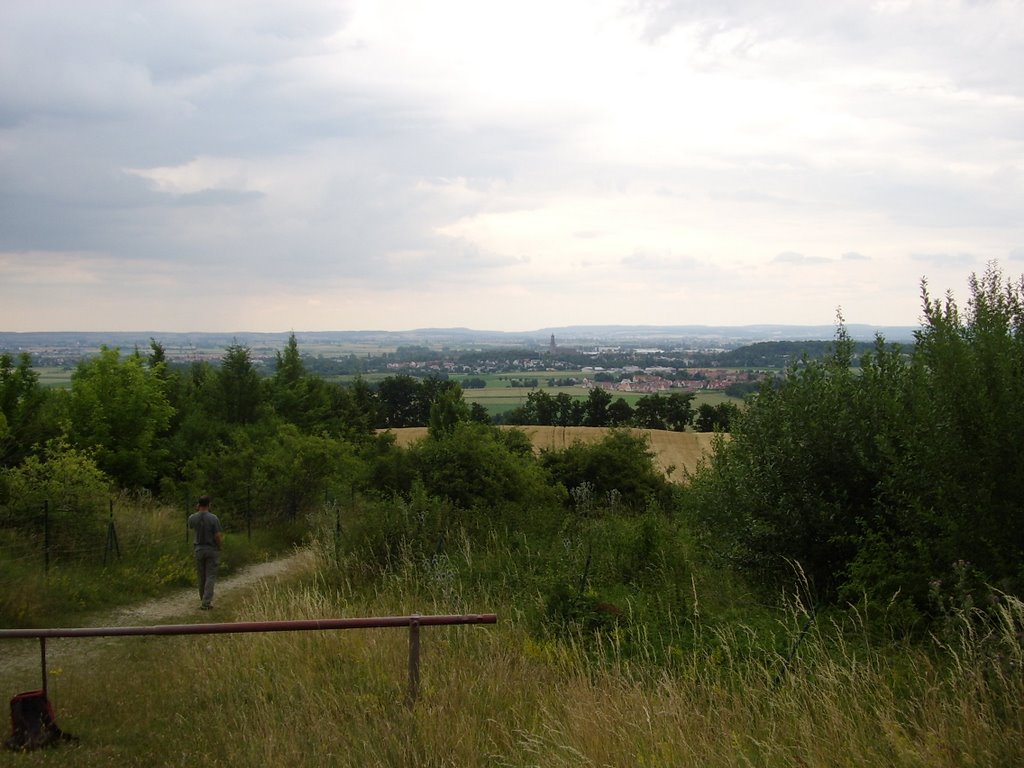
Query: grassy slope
x=503, y=696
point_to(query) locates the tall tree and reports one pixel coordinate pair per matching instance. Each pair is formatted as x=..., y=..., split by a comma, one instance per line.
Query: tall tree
x=300, y=398
x=22, y=409
x=448, y=410
x=399, y=403
x=620, y=413
x=290, y=369
x=117, y=408
x=240, y=388
x=650, y=412
x=597, y=404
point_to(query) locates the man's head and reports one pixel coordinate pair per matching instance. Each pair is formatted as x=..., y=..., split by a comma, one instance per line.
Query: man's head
x=203, y=502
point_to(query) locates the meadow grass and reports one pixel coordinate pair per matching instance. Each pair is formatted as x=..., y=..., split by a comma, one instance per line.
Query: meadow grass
x=506, y=695
x=153, y=555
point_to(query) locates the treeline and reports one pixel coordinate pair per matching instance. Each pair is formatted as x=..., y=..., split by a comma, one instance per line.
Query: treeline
x=673, y=411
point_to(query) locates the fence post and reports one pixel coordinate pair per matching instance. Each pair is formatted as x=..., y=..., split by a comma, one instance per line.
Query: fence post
x=46, y=536
x=112, y=545
x=414, y=660
x=42, y=655
x=337, y=534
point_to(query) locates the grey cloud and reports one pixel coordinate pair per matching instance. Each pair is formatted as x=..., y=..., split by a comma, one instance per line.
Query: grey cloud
x=162, y=84
x=854, y=256
x=1017, y=254
x=217, y=197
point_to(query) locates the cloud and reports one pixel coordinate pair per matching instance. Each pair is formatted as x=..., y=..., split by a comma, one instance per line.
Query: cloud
x=792, y=257
x=960, y=260
x=342, y=155
x=219, y=197
x=646, y=260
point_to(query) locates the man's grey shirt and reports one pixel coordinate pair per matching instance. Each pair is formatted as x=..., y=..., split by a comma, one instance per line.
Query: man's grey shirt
x=207, y=526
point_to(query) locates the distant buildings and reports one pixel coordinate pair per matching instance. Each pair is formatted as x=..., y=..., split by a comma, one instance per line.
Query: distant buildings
x=648, y=382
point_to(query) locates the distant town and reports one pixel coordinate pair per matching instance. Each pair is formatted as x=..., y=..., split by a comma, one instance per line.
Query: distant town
x=635, y=359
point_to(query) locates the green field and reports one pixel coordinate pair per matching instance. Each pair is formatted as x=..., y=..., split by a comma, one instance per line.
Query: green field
x=54, y=377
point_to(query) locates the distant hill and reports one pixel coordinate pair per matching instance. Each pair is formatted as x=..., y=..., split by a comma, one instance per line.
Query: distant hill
x=668, y=335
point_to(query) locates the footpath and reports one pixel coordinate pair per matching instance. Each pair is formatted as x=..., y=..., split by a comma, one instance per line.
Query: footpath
x=20, y=658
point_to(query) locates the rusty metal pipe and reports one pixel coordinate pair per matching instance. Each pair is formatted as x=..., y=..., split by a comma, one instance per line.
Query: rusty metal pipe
x=238, y=627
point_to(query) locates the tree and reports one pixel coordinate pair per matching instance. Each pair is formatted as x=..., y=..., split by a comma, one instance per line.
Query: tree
x=289, y=370
x=951, y=494
x=597, y=404
x=356, y=409
x=446, y=411
x=300, y=398
x=479, y=414
x=620, y=413
x=75, y=491
x=797, y=474
x=679, y=410
x=651, y=412
x=621, y=463
x=117, y=409
x=715, y=418
x=891, y=483
x=568, y=412
x=474, y=466
x=23, y=409
x=541, y=408
x=239, y=385
x=399, y=403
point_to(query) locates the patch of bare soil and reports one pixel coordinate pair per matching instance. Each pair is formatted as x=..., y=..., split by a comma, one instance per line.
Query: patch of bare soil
x=18, y=657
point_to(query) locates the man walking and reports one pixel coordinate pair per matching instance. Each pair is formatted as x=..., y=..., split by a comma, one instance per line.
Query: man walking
x=206, y=547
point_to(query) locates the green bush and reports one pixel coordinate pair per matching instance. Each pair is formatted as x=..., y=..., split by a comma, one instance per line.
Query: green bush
x=62, y=496
x=620, y=466
x=880, y=482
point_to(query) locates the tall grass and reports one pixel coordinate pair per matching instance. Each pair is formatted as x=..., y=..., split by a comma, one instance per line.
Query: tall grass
x=507, y=695
x=153, y=555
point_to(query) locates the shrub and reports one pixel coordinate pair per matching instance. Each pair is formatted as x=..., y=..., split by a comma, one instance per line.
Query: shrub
x=66, y=485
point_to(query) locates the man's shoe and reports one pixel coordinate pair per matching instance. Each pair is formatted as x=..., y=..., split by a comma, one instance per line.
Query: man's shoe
x=206, y=606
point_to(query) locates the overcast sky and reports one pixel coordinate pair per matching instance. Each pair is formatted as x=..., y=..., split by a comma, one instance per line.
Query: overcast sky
x=391, y=164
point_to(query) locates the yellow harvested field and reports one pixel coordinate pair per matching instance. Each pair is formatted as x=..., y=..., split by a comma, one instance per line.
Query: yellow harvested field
x=676, y=453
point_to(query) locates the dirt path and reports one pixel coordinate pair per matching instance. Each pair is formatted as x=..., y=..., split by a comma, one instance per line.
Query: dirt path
x=20, y=657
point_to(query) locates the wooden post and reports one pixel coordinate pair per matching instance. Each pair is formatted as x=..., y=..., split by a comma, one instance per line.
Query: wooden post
x=46, y=537
x=42, y=656
x=414, y=660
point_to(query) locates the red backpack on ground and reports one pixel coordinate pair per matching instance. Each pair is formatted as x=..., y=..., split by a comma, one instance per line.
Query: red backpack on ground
x=32, y=723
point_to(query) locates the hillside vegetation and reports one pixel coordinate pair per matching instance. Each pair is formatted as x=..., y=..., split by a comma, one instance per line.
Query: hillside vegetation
x=839, y=582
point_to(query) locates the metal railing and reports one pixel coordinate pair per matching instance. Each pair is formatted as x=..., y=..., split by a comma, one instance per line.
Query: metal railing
x=413, y=622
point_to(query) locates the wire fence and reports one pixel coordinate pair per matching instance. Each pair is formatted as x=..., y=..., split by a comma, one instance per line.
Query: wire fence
x=42, y=538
